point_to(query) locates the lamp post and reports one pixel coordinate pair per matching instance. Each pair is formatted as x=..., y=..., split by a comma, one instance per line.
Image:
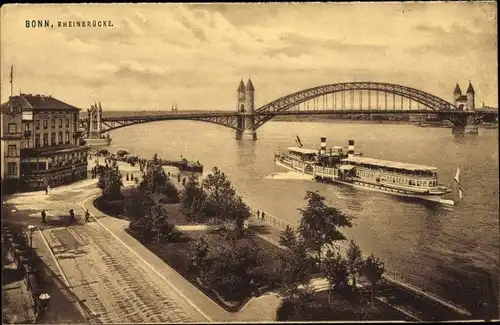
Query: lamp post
x=31, y=228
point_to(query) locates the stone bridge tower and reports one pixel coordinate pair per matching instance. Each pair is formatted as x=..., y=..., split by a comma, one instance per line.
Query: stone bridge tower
x=467, y=102
x=246, y=108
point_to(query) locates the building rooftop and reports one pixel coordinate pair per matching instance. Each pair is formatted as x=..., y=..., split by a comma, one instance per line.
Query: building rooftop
x=52, y=150
x=29, y=102
x=457, y=90
x=387, y=163
x=470, y=90
x=241, y=87
x=249, y=86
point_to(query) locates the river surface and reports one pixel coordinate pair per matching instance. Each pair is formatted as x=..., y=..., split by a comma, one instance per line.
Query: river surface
x=452, y=251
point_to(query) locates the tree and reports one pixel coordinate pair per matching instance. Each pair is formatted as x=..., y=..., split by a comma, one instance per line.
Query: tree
x=192, y=197
x=319, y=223
x=137, y=204
x=219, y=192
x=238, y=212
x=354, y=262
x=198, y=254
x=112, y=182
x=295, y=268
x=155, y=176
x=298, y=306
x=288, y=238
x=230, y=269
x=158, y=216
x=373, y=268
x=336, y=271
x=222, y=203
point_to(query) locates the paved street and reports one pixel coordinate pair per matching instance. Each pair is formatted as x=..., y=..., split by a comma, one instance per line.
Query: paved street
x=115, y=286
x=103, y=273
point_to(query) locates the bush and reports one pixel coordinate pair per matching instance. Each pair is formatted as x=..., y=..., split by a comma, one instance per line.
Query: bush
x=112, y=207
x=170, y=192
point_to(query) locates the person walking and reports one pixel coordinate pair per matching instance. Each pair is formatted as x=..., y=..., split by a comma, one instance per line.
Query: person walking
x=48, y=189
x=263, y=216
x=87, y=215
x=258, y=214
x=44, y=215
x=71, y=216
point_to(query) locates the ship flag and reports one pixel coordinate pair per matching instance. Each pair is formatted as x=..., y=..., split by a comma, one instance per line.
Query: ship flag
x=457, y=186
x=299, y=143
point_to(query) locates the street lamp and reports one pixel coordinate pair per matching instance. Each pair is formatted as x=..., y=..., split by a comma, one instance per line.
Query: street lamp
x=31, y=228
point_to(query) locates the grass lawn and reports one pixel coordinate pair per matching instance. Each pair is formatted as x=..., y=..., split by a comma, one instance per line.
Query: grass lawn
x=363, y=310
x=177, y=254
x=342, y=309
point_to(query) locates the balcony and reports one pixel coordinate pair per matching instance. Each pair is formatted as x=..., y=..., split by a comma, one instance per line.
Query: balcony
x=27, y=134
x=12, y=136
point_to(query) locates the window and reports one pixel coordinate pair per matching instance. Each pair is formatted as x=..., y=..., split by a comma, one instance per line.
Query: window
x=53, y=123
x=67, y=123
x=45, y=139
x=45, y=124
x=12, y=168
x=26, y=127
x=60, y=137
x=67, y=137
x=37, y=140
x=53, y=138
x=37, y=124
x=12, y=128
x=12, y=150
x=60, y=123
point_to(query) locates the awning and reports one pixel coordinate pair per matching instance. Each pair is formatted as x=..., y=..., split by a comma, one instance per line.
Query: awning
x=346, y=167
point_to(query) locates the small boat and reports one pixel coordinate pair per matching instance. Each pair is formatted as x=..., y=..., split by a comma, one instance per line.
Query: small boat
x=345, y=166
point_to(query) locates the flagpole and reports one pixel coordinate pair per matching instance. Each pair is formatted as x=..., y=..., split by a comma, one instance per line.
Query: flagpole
x=11, y=80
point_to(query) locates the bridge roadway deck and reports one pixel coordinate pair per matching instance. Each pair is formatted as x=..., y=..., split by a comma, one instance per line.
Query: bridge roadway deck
x=202, y=114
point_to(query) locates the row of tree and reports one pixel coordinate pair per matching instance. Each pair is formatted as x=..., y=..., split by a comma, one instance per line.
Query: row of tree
x=215, y=201
x=319, y=228
x=147, y=218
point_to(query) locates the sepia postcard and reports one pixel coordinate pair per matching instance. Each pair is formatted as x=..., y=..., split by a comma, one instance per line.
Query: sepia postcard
x=249, y=162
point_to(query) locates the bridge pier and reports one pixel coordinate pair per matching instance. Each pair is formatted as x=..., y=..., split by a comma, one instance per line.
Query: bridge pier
x=469, y=126
x=246, y=135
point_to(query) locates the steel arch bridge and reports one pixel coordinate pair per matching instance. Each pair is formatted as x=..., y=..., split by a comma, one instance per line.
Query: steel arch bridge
x=432, y=102
x=290, y=105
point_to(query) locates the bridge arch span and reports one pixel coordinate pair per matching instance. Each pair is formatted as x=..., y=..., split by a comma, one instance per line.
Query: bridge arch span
x=434, y=103
x=111, y=124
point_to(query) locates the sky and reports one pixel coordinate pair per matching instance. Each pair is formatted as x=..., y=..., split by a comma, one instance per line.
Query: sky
x=196, y=54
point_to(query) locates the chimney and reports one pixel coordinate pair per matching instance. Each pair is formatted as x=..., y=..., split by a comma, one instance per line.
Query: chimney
x=350, y=148
x=323, y=146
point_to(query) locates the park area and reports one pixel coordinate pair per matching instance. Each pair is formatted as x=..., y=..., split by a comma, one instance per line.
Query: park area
x=202, y=233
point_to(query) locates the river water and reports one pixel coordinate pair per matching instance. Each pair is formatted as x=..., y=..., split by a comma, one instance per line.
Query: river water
x=453, y=252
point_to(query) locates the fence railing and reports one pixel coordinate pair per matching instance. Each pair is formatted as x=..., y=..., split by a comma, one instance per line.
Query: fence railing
x=391, y=274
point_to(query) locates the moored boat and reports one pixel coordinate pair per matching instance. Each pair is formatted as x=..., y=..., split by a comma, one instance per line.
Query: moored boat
x=344, y=166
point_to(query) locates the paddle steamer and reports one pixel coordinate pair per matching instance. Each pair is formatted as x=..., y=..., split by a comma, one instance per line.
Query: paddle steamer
x=340, y=166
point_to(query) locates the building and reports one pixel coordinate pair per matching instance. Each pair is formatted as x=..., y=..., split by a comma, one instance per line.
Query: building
x=465, y=102
x=40, y=143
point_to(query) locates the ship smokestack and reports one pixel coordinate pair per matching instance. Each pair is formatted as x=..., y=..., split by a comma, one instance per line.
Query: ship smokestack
x=323, y=146
x=350, y=148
